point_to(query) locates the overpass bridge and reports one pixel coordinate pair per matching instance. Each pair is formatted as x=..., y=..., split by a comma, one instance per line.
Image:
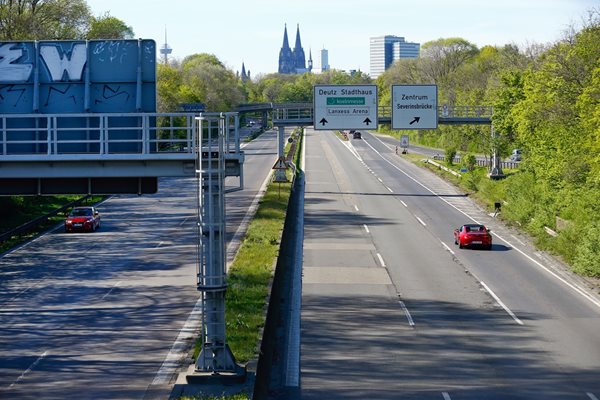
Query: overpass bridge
x=108, y=153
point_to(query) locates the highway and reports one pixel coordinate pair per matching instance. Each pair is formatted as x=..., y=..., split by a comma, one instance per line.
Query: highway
x=391, y=308
x=111, y=314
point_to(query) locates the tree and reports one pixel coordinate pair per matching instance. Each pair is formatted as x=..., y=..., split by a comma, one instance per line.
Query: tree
x=443, y=56
x=43, y=19
x=108, y=27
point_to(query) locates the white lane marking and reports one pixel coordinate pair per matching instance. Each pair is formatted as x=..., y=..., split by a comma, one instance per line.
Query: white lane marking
x=23, y=291
x=421, y=221
x=356, y=207
x=591, y=396
x=448, y=248
x=366, y=228
x=389, y=189
x=518, y=240
x=407, y=313
x=380, y=180
x=381, y=260
x=28, y=370
x=179, y=349
x=517, y=320
x=404, y=204
x=575, y=287
x=113, y=288
x=446, y=396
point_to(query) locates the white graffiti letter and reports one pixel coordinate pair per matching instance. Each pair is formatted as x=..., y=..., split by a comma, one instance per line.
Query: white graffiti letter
x=59, y=63
x=10, y=72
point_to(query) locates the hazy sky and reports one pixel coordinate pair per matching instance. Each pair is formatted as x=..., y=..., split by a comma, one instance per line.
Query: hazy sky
x=251, y=31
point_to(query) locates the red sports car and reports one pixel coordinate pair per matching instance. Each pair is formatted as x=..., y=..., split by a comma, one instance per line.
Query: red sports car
x=82, y=219
x=473, y=235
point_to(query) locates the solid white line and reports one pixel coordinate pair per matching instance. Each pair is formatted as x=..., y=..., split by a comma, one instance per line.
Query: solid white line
x=179, y=349
x=366, y=228
x=113, y=288
x=591, y=396
x=517, y=320
x=576, y=288
x=421, y=221
x=448, y=248
x=381, y=260
x=28, y=370
x=408, y=316
x=446, y=396
x=404, y=204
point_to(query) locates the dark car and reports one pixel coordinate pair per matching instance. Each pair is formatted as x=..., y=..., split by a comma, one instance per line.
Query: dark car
x=356, y=135
x=82, y=219
x=471, y=235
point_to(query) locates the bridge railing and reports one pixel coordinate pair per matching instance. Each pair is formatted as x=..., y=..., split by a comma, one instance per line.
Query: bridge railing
x=450, y=111
x=293, y=112
x=68, y=136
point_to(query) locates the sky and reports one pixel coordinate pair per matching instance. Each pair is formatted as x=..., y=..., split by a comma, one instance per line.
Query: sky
x=251, y=31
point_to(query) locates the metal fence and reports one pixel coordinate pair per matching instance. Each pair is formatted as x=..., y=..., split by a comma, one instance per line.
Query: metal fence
x=61, y=136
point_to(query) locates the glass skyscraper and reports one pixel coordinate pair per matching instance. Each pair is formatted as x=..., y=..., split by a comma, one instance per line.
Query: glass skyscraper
x=384, y=50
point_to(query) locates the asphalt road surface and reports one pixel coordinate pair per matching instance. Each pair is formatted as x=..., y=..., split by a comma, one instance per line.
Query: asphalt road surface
x=391, y=308
x=101, y=315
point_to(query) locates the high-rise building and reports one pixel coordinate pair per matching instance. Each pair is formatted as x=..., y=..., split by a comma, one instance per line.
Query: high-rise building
x=324, y=60
x=293, y=61
x=384, y=50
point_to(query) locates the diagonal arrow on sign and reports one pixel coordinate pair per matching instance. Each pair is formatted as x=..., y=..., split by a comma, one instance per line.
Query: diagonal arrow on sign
x=416, y=120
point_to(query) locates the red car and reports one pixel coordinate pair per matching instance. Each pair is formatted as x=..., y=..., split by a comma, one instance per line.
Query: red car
x=473, y=235
x=82, y=219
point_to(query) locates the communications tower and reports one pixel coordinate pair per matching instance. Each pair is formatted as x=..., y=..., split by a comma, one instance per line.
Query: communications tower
x=165, y=50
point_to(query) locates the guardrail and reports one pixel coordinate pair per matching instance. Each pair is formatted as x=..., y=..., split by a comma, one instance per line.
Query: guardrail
x=65, y=136
x=481, y=163
x=28, y=226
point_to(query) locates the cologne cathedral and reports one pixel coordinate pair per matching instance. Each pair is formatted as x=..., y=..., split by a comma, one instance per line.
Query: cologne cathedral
x=293, y=61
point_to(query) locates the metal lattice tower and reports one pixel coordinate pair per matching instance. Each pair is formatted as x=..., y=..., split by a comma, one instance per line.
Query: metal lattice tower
x=215, y=356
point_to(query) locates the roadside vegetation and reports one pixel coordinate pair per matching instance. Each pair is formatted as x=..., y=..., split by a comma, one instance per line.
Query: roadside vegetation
x=546, y=102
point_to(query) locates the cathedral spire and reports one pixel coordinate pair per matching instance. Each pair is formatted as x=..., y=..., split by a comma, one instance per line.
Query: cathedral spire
x=286, y=44
x=298, y=43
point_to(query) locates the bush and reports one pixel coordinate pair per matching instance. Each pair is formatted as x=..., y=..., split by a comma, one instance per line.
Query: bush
x=587, y=254
x=469, y=162
x=450, y=153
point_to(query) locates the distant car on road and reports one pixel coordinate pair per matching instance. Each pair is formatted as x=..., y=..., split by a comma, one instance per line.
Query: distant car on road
x=356, y=135
x=82, y=219
x=473, y=235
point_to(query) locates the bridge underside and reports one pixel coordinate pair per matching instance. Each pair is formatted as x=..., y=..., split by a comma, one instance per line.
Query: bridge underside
x=95, y=186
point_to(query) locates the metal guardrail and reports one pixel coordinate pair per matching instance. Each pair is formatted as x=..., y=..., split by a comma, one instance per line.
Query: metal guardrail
x=28, y=226
x=481, y=163
x=71, y=136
